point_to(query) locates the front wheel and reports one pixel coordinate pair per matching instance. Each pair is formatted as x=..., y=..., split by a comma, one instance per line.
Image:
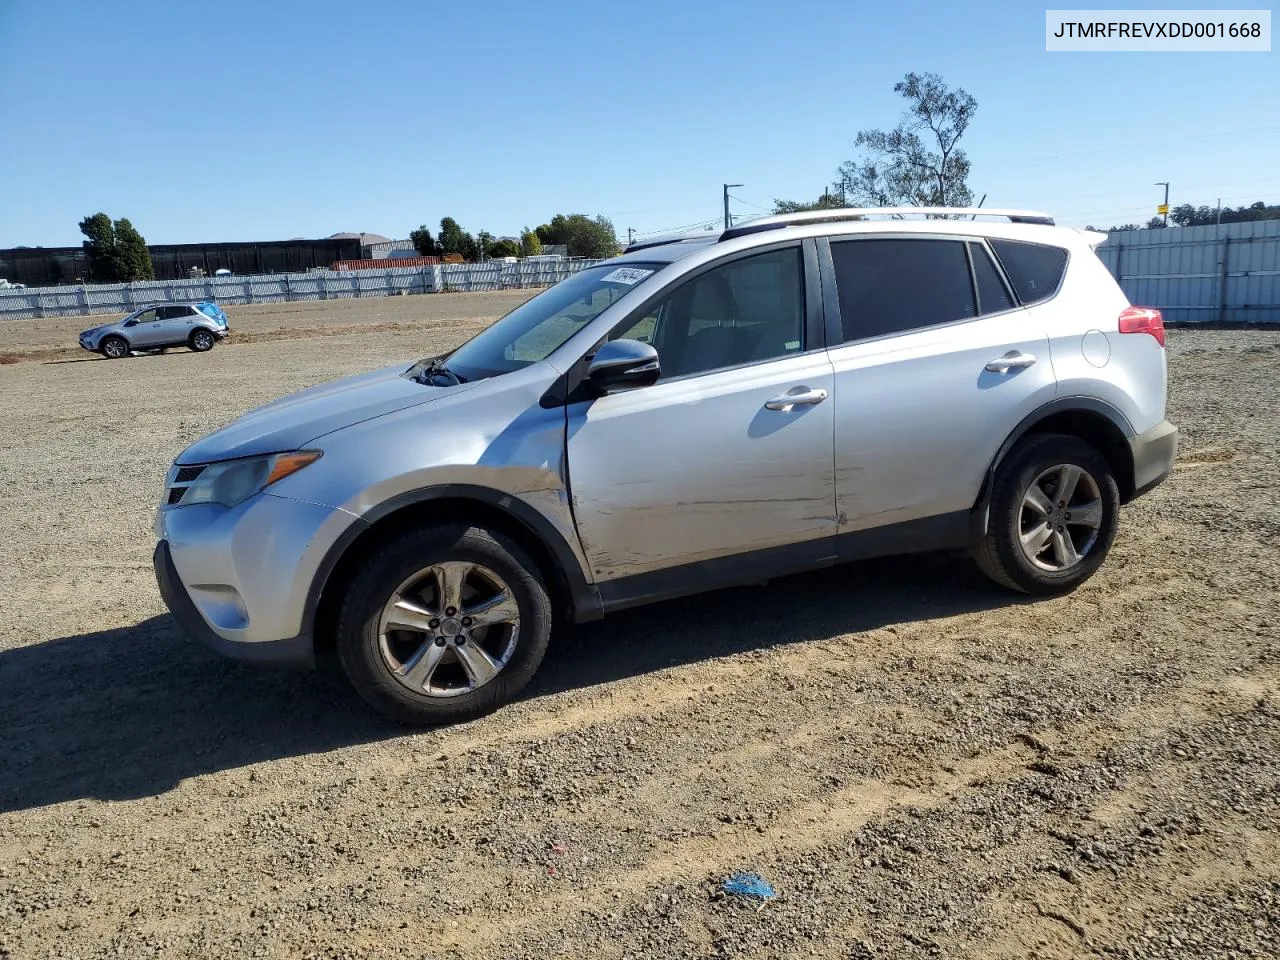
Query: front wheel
x=200, y=341
x=114, y=348
x=1054, y=511
x=444, y=624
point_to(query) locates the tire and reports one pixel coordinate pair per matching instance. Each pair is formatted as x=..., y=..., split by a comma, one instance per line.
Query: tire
x=1063, y=546
x=379, y=657
x=114, y=348
x=200, y=341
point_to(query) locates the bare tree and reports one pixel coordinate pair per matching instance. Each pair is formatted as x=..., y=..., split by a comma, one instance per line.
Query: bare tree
x=919, y=162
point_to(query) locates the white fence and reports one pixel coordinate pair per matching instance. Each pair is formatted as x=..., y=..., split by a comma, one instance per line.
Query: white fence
x=1228, y=272
x=277, y=287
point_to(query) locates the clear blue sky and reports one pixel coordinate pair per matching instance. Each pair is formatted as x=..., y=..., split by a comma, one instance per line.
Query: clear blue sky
x=231, y=120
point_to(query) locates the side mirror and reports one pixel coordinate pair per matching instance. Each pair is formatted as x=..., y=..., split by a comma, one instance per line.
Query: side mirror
x=131, y=323
x=623, y=365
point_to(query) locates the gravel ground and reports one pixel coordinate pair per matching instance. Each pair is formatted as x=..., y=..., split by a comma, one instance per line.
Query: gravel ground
x=450, y=315
x=920, y=764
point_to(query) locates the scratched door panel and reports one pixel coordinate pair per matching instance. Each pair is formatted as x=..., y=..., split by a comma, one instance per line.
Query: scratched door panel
x=698, y=468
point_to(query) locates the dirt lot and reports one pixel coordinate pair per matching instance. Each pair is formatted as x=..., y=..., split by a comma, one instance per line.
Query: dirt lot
x=921, y=764
x=449, y=315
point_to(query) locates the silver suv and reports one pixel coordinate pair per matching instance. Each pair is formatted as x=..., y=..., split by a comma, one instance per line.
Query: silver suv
x=792, y=393
x=159, y=326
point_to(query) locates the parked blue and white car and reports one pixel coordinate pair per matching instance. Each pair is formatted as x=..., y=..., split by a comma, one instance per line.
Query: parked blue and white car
x=160, y=326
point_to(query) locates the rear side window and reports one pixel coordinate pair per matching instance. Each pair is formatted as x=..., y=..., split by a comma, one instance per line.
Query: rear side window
x=889, y=286
x=1034, y=269
x=174, y=313
x=992, y=295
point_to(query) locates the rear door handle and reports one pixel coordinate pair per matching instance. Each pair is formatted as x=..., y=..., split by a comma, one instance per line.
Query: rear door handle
x=806, y=398
x=1011, y=361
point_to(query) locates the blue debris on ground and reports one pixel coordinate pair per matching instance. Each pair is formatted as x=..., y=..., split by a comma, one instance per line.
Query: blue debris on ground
x=749, y=885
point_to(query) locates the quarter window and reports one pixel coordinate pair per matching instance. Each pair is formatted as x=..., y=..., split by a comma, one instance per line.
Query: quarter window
x=1034, y=269
x=893, y=285
x=742, y=312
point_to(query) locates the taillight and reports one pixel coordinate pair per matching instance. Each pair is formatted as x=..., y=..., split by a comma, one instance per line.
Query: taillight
x=1143, y=320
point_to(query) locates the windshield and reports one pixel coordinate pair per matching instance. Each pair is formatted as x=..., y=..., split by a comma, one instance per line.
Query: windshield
x=537, y=328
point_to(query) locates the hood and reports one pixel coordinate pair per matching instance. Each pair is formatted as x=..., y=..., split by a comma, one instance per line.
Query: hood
x=293, y=421
x=92, y=330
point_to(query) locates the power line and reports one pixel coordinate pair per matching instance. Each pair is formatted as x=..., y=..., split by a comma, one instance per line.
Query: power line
x=1254, y=133
x=734, y=196
x=1121, y=212
x=710, y=221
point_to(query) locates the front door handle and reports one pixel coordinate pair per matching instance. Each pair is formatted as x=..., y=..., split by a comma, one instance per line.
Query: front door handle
x=805, y=398
x=1011, y=361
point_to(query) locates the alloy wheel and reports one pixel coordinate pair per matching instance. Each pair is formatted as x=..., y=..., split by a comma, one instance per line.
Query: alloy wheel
x=1060, y=517
x=449, y=629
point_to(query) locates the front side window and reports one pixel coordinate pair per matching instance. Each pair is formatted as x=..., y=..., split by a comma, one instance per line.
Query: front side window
x=744, y=311
x=146, y=316
x=894, y=285
x=537, y=328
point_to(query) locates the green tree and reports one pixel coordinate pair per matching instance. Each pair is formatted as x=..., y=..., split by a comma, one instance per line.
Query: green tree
x=117, y=253
x=828, y=201
x=131, y=250
x=584, y=236
x=100, y=247
x=453, y=239
x=919, y=162
x=503, y=247
x=423, y=242
x=1186, y=215
x=530, y=245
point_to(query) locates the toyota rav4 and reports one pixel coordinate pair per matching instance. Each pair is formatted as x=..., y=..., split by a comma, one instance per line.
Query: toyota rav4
x=790, y=393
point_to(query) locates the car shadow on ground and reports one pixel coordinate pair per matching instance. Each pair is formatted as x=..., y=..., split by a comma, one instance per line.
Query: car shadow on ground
x=169, y=352
x=131, y=712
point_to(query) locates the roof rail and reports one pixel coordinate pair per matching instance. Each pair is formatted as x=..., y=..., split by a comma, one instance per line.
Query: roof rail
x=842, y=214
x=662, y=241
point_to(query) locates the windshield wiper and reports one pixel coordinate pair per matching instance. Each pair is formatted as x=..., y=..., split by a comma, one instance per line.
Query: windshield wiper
x=435, y=368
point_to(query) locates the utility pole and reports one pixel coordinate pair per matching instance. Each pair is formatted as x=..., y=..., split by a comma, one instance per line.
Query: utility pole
x=631, y=235
x=727, y=220
x=1164, y=208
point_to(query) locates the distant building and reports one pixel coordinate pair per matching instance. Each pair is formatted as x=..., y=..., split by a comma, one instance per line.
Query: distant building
x=49, y=266
x=390, y=248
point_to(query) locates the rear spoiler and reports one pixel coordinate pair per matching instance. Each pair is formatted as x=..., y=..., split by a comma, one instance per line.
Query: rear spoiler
x=1094, y=238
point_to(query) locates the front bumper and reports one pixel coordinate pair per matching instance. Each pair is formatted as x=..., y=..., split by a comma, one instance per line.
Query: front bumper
x=239, y=578
x=296, y=651
x=1153, y=454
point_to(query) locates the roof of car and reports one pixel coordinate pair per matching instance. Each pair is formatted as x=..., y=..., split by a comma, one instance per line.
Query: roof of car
x=941, y=218
x=173, y=303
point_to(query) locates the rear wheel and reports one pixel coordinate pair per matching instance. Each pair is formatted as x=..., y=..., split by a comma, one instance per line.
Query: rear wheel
x=1054, y=511
x=444, y=624
x=114, y=348
x=200, y=341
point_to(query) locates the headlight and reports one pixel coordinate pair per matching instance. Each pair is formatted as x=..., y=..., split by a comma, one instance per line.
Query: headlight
x=234, y=481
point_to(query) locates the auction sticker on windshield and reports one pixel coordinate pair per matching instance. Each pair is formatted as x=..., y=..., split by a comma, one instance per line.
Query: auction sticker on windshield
x=627, y=275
